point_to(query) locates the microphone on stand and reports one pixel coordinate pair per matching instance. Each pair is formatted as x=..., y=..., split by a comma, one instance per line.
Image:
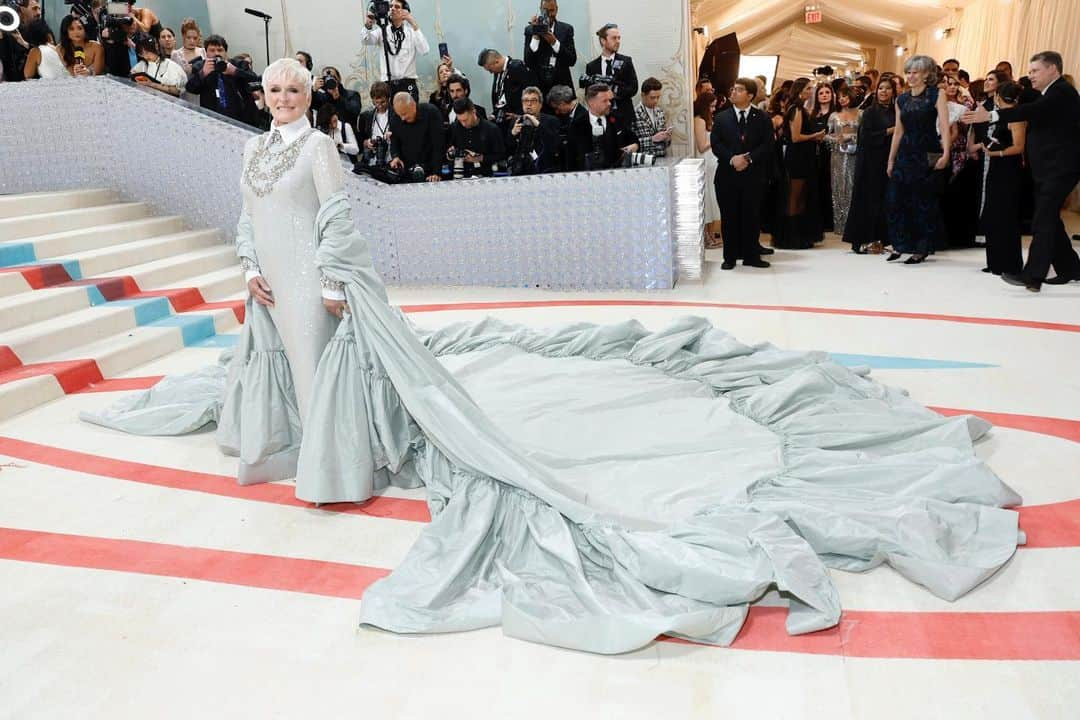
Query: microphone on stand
x=266, y=22
x=258, y=13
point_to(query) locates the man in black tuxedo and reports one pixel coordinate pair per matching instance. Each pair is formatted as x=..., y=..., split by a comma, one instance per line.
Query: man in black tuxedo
x=222, y=92
x=598, y=139
x=550, y=55
x=476, y=145
x=742, y=140
x=1053, y=149
x=533, y=142
x=509, y=78
x=563, y=101
x=620, y=68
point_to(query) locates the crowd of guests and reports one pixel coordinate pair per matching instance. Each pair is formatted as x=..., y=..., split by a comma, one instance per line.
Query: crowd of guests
x=535, y=120
x=908, y=164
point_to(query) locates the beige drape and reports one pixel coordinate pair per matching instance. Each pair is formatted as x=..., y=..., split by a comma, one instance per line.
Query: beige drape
x=989, y=31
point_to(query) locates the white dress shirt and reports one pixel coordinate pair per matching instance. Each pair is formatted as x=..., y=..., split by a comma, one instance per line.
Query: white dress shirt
x=402, y=65
x=534, y=45
x=598, y=124
x=380, y=124
x=345, y=139
x=163, y=72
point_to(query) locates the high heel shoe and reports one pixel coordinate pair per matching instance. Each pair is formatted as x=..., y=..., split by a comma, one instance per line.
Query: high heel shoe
x=894, y=256
x=914, y=259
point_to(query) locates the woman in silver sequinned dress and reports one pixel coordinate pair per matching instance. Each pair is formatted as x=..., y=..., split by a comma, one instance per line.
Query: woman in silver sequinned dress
x=843, y=131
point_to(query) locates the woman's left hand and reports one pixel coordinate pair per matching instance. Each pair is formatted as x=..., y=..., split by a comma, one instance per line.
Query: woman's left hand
x=337, y=308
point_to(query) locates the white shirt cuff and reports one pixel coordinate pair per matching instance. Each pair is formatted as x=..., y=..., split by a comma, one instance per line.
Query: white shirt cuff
x=534, y=44
x=328, y=294
x=993, y=116
x=555, y=47
x=251, y=274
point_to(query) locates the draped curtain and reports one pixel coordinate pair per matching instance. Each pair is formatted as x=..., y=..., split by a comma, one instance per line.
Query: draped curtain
x=993, y=30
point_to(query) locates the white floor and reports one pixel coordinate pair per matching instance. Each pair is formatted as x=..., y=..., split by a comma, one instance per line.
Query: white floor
x=77, y=641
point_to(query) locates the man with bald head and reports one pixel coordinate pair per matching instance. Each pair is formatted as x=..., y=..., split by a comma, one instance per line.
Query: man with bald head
x=417, y=136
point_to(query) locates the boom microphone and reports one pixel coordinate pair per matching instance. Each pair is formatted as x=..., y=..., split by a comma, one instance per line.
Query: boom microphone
x=258, y=13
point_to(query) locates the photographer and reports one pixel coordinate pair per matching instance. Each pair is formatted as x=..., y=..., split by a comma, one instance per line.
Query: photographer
x=13, y=46
x=534, y=142
x=373, y=127
x=329, y=89
x=154, y=71
x=549, y=47
x=328, y=123
x=564, y=102
x=400, y=39
x=416, y=137
x=117, y=33
x=599, y=139
x=650, y=124
x=509, y=79
x=614, y=70
x=476, y=145
x=460, y=89
x=221, y=85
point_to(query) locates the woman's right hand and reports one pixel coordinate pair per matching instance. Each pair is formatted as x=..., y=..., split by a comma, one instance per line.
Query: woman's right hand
x=261, y=291
x=889, y=169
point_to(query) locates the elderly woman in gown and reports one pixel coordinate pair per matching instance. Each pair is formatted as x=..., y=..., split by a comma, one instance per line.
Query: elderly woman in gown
x=555, y=512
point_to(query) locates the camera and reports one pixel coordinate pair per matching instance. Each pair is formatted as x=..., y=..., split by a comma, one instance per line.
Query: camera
x=542, y=25
x=329, y=82
x=378, y=155
x=825, y=71
x=586, y=80
x=380, y=10
x=116, y=20
x=637, y=159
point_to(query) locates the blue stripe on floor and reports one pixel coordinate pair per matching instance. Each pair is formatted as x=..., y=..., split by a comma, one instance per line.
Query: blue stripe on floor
x=885, y=362
x=147, y=310
x=223, y=341
x=96, y=298
x=193, y=328
x=16, y=253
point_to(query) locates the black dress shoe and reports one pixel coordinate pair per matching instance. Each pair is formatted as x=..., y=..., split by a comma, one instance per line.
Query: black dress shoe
x=986, y=270
x=1032, y=285
x=894, y=256
x=727, y=265
x=914, y=259
x=762, y=250
x=1060, y=280
x=756, y=263
x=858, y=249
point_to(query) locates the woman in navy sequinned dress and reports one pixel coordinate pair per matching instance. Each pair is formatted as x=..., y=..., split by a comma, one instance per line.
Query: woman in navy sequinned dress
x=913, y=205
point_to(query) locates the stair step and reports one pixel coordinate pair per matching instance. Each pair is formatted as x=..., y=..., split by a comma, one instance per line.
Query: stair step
x=40, y=305
x=139, y=252
x=221, y=285
x=178, y=271
x=34, y=343
x=43, y=248
x=28, y=393
x=47, y=202
x=26, y=226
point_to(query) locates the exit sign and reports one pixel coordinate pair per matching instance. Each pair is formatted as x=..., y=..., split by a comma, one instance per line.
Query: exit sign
x=813, y=16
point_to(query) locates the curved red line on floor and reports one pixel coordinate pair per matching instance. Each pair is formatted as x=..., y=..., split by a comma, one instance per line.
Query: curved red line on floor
x=1056, y=427
x=1047, y=526
x=861, y=633
x=526, y=304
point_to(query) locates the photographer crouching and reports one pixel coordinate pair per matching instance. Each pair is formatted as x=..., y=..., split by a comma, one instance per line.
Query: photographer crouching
x=417, y=139
x=476, y=145
x=534, y=139
x=221, y=86
x=400, y=38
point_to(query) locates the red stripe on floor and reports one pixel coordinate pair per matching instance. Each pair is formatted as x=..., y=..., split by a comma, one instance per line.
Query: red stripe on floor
x=8, y=359
x=519, y=305
x=921, y=635
x=235, y=568
x=181, y=299
x=121, y=384
x=41, y=276
x=1047, y=526
x=111, y=288
x=222, y=485
x=1057, y=427
x=71, y=374
x=861, y=633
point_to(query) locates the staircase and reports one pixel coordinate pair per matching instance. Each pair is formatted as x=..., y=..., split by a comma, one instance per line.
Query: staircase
x=92, y=286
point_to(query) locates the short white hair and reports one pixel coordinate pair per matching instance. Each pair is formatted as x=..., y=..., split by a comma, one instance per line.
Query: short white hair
x=287, y=70
x=923, y=64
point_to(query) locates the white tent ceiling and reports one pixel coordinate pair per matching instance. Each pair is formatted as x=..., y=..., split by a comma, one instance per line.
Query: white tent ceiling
x=776, y=27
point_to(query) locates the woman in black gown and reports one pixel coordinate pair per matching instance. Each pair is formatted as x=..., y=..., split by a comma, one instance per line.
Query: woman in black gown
x=1000, y=217
x=824, y=106
x=977, y=138
x=798, y=218
x=917, y=163
x=866, y=227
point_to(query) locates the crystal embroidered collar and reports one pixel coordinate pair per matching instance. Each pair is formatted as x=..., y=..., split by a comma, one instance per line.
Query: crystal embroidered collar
x=267, y=164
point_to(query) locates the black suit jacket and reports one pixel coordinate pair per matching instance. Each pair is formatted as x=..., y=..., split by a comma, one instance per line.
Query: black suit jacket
x=366, y=120
x=485, y=139
x=422, y=141
x=236, y=91
x=625, y=83
x=728, y=142
x=617, y=135
x=540, y=61
x=1053, y=138
x=518, y=77
x=544, y=140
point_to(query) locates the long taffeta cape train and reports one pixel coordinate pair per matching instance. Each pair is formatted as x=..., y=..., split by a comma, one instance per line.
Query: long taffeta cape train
x=760, y=468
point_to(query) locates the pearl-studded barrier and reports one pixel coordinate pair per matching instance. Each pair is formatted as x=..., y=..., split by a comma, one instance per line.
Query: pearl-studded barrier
x=623, y=229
